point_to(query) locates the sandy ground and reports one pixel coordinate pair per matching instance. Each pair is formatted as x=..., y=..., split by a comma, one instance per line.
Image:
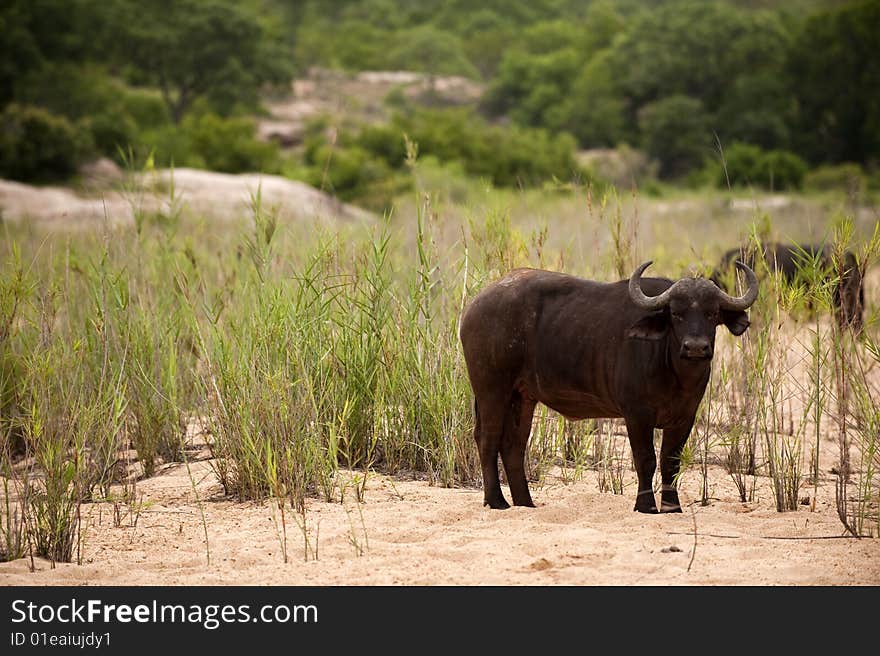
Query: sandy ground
x=408, y=532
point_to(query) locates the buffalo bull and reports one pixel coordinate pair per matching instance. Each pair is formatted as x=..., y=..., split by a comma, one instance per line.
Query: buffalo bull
x=792, y=260
x=638, y=349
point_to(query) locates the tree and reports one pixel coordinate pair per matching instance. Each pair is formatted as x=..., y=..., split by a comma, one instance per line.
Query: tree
x=698, y=49
x=208, y=49
x=532, y=87
x=595, y=112
x=757, y=109
x=19, y=52
x=39, y=33
x=757, y=104
x=432, y=51
x=601, y=24
x=351, y=44
x=675, y=131
x=486, y=35
x=549, y=36
x=836, y=71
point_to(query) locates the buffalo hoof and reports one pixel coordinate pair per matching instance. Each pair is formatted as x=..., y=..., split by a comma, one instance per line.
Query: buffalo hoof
x=669, y=500
x=664, y=508
x=497, y=504
x=646, y=503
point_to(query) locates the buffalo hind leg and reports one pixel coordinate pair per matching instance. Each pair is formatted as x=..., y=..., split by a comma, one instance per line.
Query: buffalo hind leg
x=641, y=440
x=487, y=434
x=517, y=426
x=674, y=439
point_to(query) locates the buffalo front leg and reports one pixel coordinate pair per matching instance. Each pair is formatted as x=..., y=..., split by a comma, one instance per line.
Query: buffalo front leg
x=489, y=427
x=517, y=426
x=674, y=439
x=641, y=439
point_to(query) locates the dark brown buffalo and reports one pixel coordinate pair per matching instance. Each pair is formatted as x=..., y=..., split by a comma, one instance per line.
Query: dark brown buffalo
x=791, y=260
x=593, y=349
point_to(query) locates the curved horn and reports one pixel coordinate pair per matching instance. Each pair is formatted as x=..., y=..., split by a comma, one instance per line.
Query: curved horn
x=744, y=301
x=638, y=296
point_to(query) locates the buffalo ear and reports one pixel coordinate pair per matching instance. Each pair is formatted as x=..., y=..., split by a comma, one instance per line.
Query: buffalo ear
x=736, y=321
x=652, y=326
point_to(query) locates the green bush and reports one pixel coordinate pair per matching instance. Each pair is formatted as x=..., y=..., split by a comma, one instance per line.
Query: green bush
x=229, y=145
x=37, y=146
x=341, y=170
x=781, y=169
x=746, y=164
x=146, y=108
x=848, y=177
x=353, y=174
x=367, y=165
x=170, y=145
x=525, y=157
x=112, y=113
x=740, y=165
x=384, y=141
x=530, y=88
x=507, y=156
x=428, y=49
x=215, y=143
x=112, y=134
x=447, y=134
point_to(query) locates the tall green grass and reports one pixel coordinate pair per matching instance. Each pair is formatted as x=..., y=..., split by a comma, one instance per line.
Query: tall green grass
x=314, y=357
x=854, y=358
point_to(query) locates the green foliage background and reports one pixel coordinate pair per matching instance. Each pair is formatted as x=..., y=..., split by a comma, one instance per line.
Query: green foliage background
x=682, y=80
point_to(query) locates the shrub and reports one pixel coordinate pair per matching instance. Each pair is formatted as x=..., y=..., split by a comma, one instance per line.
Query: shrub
x=341, y=170
x=781, y=169
x=146, y=108
x=746, y=164
x=385, y=141
x=112, y=133
x=353, y=174
x=847, y=177
x=508, y=156
x=37, y=146
x=170, y=146
x=229, y=144
x=524, y=157
x=209, y=141
x=367, y=166
x=447, y=134
x=426, y=48
x=741, y=162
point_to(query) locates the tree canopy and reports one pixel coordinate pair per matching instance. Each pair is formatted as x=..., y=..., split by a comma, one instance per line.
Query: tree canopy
x=195, y=49
x=676, y=77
